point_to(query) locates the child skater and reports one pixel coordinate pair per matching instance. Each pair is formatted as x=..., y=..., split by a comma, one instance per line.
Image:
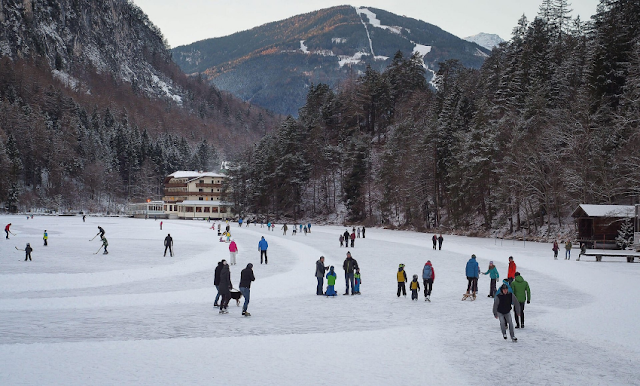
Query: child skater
x=402, y=278
x=331, y=282
x=414, y=287
x=356, y=287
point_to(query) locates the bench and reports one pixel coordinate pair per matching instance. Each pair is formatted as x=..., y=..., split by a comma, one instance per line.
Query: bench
x=630, y=255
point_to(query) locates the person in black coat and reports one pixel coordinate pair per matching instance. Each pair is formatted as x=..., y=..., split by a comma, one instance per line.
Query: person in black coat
x=350, y=265
x=168, y=243
x=216, y=281
x=28, y=251
x=224, y=288
x=246, y=277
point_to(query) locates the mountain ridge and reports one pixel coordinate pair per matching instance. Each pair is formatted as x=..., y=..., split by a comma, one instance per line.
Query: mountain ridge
x=274, y=64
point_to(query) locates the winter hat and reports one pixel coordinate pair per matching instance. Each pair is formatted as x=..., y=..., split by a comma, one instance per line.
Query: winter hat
x=473, y=256
x=517, y=274
x=415, y=277
x=249, y=265
x=504, y=286
x=491, y=262
x=331, y=268
x=401, y=266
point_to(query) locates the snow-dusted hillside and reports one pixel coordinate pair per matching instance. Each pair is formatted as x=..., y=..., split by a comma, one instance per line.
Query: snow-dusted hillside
x=134, y=317
x=485, y=40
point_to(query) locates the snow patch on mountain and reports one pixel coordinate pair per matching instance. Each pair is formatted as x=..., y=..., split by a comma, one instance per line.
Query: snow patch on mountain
x=485, y=40
x=303, y=48
x=66, y=79
x=338, y=40
x=422, y=49
x=165, y=88
x=355, y=59
x=373, y=20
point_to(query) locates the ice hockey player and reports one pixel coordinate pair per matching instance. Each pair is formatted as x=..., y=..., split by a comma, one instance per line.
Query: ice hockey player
x=502, y=310
x=101, y=232
x=27, y=251
x=7, y=230
x=414, y=286
x=523, y=294
x=402, y=278
x=105, y=244
x=428, y=276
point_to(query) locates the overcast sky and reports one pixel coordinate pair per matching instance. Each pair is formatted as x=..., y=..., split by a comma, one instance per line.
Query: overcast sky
x=186, y=21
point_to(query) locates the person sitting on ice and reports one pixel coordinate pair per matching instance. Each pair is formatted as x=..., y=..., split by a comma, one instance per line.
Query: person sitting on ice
x=331, y=282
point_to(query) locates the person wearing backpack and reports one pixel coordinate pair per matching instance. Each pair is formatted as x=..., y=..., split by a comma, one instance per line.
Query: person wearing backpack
x=522, y=292
x=428, y=276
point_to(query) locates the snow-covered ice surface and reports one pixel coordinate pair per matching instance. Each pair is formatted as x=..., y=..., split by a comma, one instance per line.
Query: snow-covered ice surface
x=134, y=317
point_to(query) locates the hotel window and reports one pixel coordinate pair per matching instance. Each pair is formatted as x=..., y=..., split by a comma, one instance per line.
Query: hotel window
x=200, y=198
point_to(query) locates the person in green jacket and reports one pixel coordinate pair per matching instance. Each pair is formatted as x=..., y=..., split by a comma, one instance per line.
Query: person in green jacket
x=331, y=282
x=521, y=289
x=494, y=275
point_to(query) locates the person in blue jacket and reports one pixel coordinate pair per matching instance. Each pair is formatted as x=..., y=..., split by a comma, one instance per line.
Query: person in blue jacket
x=240, y=222
x=331, y=282
x=473, y=271
x=494, y=275
x=262, y=247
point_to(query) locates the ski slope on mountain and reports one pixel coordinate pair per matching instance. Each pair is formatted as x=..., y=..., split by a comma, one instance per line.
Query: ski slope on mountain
x=72, y=317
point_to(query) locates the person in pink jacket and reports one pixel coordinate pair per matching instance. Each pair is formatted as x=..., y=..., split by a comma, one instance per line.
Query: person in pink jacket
x=233, y=249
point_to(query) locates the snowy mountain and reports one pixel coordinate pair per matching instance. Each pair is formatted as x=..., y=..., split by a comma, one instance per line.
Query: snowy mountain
x=274, y=64
x=485, y=40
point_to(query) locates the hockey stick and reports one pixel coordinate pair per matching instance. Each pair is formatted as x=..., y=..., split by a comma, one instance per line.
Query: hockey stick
x=12, y=233
x=98, y=250
x=94, y=237
x=19, y=249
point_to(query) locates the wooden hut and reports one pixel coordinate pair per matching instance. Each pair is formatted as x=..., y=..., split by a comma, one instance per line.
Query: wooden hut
x=598, y=225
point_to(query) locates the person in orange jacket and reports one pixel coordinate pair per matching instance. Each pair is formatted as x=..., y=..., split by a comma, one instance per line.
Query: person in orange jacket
x=511, y=274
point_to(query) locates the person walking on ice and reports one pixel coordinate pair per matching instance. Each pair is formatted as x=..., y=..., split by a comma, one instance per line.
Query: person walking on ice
x=567, y=247
x=555, y=249
x=522, y=292
x=511, y=273
x=472, y=271
x=428, y=276
x=414, y=286
x=350, y=265
x=402, y=279
x=494, y=275
x=434, y=239
x=331, y=282
x=341, y=238
x=168, y=243
x=440, y=240
x=284, y=228
x=320, y=270
x=233, y=252
x=262, y=247
x=502, y=311
x=45, y=237
x=246, y=277
x=225, y=287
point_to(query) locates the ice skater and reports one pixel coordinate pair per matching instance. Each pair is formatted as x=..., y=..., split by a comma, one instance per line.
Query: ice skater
x=7, y=230
x=494, y=275
x=502, y=311
x=168, y=243
x=511, y=273
x=45, y=237
x=414, y=286
x=440, y=240
x=402, y=279
x=428, y=276
x=434, y=239
x=358, y=281
x=246, y=277
x=472, y=271
x=27, y=250
x=105, y=244
x=224, y=288
x=233, y=252
x=262, y=247
x=523, y=294
x=555, y=249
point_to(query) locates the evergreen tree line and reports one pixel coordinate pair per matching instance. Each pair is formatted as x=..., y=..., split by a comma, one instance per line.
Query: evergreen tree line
x=57, y=153
x=551, y=120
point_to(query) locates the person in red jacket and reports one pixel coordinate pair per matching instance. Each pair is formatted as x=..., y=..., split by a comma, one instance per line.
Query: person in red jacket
x=511, y=274
x=7, y=230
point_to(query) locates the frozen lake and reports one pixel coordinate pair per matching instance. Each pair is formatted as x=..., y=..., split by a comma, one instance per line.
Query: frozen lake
x=132, y=317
